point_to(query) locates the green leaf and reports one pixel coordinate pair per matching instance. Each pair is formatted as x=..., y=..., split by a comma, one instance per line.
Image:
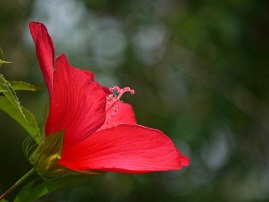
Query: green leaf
x=20, y=85
x=3, y=62
x=32, y=127
x=2, y=56
x=24, y=191
x=10, y=94
x=3, y=200
x=32, y=192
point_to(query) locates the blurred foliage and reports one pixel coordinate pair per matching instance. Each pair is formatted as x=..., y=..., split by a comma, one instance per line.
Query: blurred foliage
x=200, y=69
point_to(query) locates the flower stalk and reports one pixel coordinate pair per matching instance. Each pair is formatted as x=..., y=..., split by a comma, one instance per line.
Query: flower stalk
x=20, y=181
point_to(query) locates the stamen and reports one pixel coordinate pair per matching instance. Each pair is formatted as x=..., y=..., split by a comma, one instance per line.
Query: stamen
x=115, y=99
x=121, y=91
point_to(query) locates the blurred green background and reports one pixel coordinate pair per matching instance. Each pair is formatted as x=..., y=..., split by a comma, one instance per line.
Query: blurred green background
x=200, y=69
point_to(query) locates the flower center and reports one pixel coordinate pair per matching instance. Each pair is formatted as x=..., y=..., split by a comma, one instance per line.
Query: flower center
x=112, y=99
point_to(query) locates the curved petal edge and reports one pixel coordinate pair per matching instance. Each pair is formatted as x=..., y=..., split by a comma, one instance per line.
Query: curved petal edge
x=125, y=148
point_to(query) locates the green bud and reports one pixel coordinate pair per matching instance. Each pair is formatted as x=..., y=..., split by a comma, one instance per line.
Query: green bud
x=46, y=156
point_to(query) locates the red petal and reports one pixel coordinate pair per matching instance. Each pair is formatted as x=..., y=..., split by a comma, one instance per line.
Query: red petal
x=77, y=103
x=125, y=148
x=44, y=51
x=122, y=113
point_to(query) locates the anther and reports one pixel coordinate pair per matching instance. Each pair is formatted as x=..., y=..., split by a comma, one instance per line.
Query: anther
x=120, y=92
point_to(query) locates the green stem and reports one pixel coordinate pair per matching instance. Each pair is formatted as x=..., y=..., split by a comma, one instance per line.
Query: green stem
x=21, y=180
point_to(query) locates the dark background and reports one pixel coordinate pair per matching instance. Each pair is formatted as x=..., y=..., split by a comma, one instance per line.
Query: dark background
x=200, y=69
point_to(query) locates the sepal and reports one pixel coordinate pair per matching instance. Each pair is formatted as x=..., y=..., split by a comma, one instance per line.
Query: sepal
x=46, y=156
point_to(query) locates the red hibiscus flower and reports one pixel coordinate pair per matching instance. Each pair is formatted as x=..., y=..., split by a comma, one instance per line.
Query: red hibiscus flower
x=100, y=131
